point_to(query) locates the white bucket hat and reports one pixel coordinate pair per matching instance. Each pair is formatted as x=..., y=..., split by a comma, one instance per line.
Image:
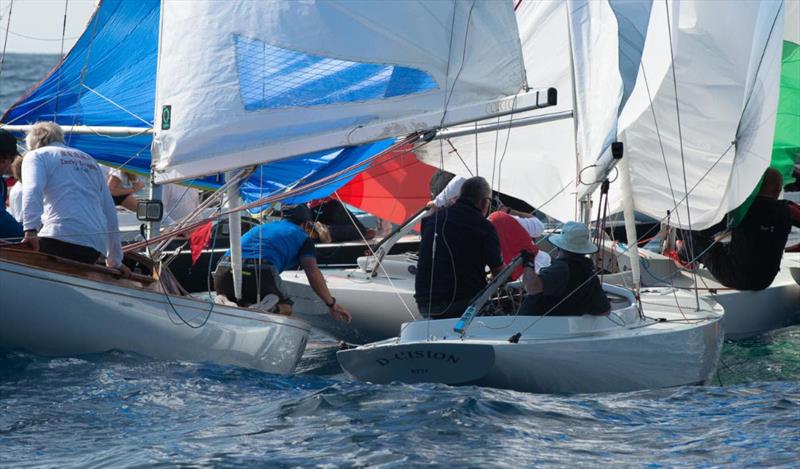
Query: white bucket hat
x=574, y=237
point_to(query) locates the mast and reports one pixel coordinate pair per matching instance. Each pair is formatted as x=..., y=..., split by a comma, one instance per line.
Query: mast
x=630, y=220
x=586, y=200
x=234, y=200
x=154, y=193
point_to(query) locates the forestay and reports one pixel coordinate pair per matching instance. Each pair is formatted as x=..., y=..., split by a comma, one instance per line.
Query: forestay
x=260, y=81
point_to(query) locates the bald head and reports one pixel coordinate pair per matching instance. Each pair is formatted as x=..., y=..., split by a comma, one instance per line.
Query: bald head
x=772, y=184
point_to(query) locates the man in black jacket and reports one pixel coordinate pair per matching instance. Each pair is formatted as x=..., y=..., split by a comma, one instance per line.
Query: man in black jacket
x=457, y=244
x=752, y=258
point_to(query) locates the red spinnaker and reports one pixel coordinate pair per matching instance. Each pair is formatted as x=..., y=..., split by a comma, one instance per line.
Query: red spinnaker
x=393, y=188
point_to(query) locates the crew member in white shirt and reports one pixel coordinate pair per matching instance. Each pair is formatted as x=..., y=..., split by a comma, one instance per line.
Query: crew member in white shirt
x=123, y=185
x=64, y=190
x=15, y=193
x=449, y=194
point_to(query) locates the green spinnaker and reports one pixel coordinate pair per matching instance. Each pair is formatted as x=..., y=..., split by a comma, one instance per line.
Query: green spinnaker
x=786, y=146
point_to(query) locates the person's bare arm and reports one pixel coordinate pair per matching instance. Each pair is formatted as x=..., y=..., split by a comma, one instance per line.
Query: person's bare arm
x=317, y=282
x=531, y=281
x=115, y=186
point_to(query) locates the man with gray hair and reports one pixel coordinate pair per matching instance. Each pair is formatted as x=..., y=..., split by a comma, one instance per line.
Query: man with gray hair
x=457, y=244
x=67, y=209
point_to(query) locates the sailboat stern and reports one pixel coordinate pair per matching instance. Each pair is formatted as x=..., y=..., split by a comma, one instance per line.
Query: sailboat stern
x=418, y=362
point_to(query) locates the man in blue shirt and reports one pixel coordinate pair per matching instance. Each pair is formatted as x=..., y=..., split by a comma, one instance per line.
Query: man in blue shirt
x=9, y=227
x=268, y=250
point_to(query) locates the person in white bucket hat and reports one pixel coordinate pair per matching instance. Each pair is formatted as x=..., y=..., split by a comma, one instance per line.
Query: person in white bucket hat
x=569, y=286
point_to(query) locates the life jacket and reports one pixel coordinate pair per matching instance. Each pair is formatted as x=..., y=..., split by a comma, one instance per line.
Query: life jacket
x=583, y=295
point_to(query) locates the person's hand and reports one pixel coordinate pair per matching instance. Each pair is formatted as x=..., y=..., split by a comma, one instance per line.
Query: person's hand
x=430, y=204
x=31, y=238
x=124, y=271
x=138, y=185
x=340, y=314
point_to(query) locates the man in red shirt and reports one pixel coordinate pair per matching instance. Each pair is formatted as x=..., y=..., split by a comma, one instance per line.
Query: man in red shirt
x=515, y=238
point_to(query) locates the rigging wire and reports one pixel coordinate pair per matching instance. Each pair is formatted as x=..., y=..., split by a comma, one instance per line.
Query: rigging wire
x=64, y=27
x=5, y=40
x=690, y=242
x=61, y=53
x=453, y=150
x=508, y=139
x=694, y=259
x=119, y=106
x=167, y=296
x=84, y=70
x=294, y=191
x=380, y=264
x=35, y=38
x=448, y=96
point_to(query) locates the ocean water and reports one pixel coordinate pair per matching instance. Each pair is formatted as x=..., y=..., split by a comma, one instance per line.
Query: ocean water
x=119, y=409
x=19, y=73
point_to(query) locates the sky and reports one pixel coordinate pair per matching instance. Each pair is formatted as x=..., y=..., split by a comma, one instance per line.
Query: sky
x=36, y=25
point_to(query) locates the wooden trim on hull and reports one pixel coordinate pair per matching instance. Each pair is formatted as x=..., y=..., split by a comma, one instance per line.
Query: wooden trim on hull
x=167, y=286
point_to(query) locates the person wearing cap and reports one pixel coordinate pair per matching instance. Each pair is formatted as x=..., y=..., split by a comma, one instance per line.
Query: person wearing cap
x=67, y=210
x=269, y=249
x=569, y=286
x=10, y=229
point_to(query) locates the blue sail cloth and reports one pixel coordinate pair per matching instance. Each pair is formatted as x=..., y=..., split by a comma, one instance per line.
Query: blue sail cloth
x=108, y=79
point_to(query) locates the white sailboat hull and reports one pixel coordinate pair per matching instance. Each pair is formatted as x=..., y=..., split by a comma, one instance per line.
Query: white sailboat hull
x=378, y=305
x=747, y=313
x=577, y=354
x=55, y=314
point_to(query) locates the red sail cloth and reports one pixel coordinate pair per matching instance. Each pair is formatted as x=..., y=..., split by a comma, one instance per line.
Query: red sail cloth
x=199, y=240
x=393, y=188
x=513, y=239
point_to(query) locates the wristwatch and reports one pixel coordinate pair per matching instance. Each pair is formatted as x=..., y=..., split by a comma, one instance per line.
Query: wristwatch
x=332, y=303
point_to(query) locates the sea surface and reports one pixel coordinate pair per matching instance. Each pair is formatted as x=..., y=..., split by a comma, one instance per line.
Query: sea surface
x=19, y=73
x=119, y=409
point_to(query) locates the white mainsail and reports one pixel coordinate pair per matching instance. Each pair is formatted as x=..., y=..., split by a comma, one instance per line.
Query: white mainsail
x=727, y=67
x=251, y=82
x=541, y=163
x=534, y=162
x=723, y=60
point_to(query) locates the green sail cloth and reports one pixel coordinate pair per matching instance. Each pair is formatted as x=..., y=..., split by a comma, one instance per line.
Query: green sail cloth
x=786, y=147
